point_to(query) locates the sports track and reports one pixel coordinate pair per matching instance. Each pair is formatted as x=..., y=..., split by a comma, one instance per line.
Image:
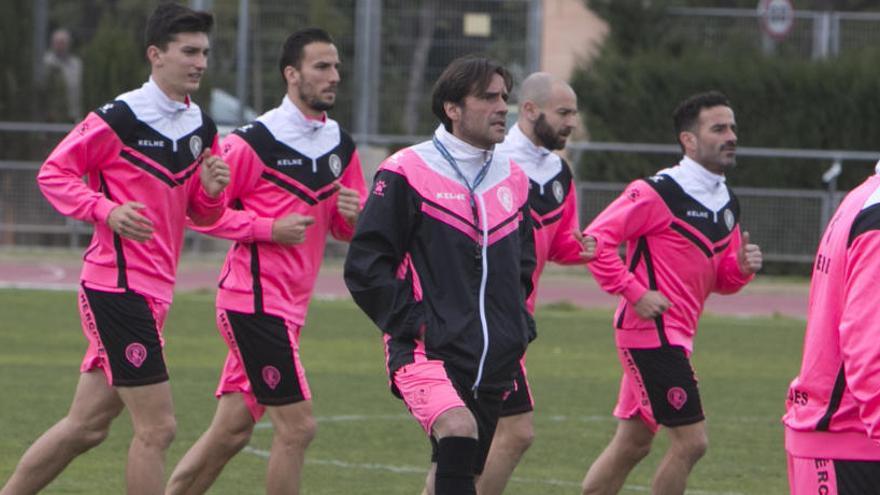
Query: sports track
x=764, y=297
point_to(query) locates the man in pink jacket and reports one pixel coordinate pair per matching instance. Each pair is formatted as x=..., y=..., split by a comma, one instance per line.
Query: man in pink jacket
x=683, y=242
x=832, y=418
x=547, y=115
x=296, y=178
x=150, y=160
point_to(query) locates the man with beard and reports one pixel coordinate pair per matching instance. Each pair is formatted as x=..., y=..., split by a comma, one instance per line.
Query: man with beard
x=547, y=115
x=442, y=262
x=296, y=178
x=682, y=232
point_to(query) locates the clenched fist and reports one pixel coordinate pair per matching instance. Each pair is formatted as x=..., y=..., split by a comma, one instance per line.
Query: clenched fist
x=214, y=174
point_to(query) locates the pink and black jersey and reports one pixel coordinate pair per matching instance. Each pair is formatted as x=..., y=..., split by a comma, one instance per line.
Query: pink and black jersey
x=430, y=261
x=141, y=147
x=833, y=406
x=282, y=163
x=682, y=232
x=552, y=200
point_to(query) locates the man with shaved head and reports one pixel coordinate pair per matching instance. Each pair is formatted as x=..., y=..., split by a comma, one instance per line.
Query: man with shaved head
x=547, y=115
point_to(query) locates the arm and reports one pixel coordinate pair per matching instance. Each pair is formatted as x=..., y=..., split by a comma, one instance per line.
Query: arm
x=637, y=212
x=378, y=247
x=566, y=247
x=528, y=262
x=349, y=200
x=206, y=196
x=860, y=328
x=82, y=151
x=739, y=263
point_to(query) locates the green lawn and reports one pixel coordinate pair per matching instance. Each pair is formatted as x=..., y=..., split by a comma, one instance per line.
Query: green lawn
x=366, y=443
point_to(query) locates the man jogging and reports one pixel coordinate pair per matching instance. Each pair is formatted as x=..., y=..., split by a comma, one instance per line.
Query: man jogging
x=150, y=160
x=297, y=178
x=442, y=262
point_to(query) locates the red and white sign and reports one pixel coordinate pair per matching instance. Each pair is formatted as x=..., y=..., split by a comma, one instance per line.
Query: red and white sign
x=777, y=17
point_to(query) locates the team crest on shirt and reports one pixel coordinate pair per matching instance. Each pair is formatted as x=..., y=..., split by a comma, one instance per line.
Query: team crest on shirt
x=558, y=193
x=506, y=198
x=335, y=165
x=729, y=219
x=195, y=146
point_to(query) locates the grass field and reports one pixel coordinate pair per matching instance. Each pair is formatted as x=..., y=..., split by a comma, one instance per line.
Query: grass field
x=366, y=442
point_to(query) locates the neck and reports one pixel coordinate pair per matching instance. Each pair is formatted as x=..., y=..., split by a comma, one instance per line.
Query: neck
x=473, y=142
x=528, y=131
x=169, y=92
x=305, y=109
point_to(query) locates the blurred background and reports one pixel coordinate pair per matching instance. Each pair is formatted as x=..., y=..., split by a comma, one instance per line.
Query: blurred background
x=803, y=78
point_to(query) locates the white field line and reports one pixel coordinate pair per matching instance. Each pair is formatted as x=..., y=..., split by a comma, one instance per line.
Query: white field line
x=422, y=471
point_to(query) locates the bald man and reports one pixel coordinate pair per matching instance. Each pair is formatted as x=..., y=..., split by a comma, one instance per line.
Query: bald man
x=547, y=115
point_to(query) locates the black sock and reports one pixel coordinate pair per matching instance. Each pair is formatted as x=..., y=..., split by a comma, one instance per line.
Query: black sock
x=455, y=466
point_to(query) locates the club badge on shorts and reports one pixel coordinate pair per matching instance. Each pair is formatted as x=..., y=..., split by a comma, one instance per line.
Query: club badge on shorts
x=335, y=165
x=195, y=146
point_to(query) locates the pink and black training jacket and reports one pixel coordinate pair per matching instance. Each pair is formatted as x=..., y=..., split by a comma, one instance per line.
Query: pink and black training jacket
x=282, y=163
x=682, y=235
x=428, y=265
x=140, y=147
x=833, y=405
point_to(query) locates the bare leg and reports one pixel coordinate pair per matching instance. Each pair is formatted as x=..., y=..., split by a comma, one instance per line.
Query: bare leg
x=687, y=445
x=229, y=432
x=631, y=443
x=94, y=406
x=513, y=436
x=152, y=418
x=295, y=427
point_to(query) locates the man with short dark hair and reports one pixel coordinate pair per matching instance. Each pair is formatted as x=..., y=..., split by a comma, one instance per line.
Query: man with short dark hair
x=683, y=242
x=547, y=115
x=442, y=262
x=150, y=159
x=296, y=178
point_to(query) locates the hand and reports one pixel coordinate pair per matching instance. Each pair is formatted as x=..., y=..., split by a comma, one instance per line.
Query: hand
x=348, y=202
x=214, y=174
x=291, y=229
x=588, y=245
x=126, y=221
x=749, y=256
x=651, y=305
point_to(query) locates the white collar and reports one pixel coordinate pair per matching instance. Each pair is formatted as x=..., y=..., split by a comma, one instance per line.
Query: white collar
x=524, y=145
x=164, y=104
x=700, y=174
x=467, y=156
x=295, y=116
x=877, y=168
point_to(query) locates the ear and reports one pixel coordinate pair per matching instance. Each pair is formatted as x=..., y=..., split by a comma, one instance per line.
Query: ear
x=153, y=54
x=291, y=75
x=688, y=140
x=530, y=110
x=452, y=110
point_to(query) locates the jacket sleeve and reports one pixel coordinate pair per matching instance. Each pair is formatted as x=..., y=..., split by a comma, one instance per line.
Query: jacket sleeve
x=201, y=208
x=528, y=263
x=730, y=279
x=860, y=328
x=378, y=247
x=352, y=178
x=637, y=212
x=565, y=249
x=237, y=224
x=90, y=144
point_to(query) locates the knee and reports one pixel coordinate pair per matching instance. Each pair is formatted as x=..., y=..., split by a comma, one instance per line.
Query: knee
x=695, y=448
x=88, y=434
x=636, y=451
x=458, y=422
x=519, y=438
x=159, y=434
x=298, y=435
x=236, y=439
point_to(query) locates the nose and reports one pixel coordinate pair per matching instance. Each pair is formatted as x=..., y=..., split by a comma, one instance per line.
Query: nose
x=334, y=75
x=201, y=61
